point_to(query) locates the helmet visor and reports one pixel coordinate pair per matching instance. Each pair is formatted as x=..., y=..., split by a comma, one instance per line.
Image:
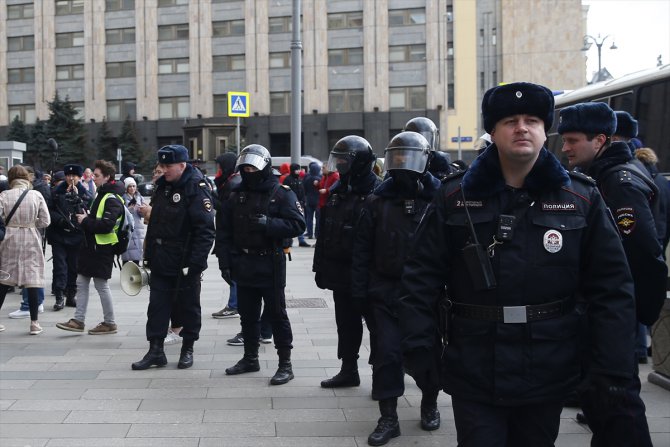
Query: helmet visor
x=340, y=162
x=254, y=160
x=406, y=159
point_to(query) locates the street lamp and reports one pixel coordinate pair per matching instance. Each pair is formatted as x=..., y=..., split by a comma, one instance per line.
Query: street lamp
x=589, y=40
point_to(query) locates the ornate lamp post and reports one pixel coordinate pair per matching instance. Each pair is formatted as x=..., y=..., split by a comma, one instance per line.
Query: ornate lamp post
x=590, y=40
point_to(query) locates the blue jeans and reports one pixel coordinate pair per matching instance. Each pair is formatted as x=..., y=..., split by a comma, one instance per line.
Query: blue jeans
x=641, y=340
x=232, y=298
x=310, y=213
x=24, y=298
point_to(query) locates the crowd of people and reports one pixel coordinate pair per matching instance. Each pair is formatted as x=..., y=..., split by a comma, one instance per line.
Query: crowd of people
x=446, y=265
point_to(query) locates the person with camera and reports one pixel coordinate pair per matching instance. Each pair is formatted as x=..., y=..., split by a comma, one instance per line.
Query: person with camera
x=179, y=237
x=134, y=201
x=64, y=234
x=534, y=273
x=100, y=234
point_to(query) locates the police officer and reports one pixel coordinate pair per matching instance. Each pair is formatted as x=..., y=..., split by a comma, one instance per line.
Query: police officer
x=384, y=233
x=352, y=158
x=630, y=195
x=519, y=244
x=178, y=240
x=440, y=162
x=69, y=198
x=257, y=219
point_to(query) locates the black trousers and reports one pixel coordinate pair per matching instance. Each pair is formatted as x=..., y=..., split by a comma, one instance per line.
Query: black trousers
x=249, y=301
x=349, y=325
x=65, y=266
x=483, y=425
x=168, y=293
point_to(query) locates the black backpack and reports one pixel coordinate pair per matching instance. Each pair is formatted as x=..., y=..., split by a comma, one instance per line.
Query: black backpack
x=124, y=232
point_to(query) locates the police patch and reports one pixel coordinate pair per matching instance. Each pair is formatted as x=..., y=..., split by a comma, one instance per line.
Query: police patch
x=297, y=204
x=559, y=206
x=207, y=204
x=176, y=197
x=625, y=220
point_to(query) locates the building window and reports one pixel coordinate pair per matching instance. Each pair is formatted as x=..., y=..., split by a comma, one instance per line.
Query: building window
x=282, y=24
x=120, y=109
x=228, y=28
x=340, y=101
x=481, y=37
x=450, y=13
x=119, y=5
x=407, y=53
x=70, y=40
x=65, y=7
x=69, y=72
x=450, y=50
x=407, y=98
x=79, y=109
x=451, y=100
x=494, y=75
x=280, y=59
x=482, y=81
x=494, y=36
x=25, y=112
x=345, y=56
x=401, y=17
x=172, y=66
x=173, y=32
x=280, y=103
x=228, y=62
x=25, y=11
x=21, y=43
x=120, y=35
x=345, y=20
x=172, y=2
x=20, y=75
x=173, y=107
x=121, y=69
x=220, y=105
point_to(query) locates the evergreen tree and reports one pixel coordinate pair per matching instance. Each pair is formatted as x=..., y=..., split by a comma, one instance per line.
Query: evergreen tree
x=38, y=152
x=106, y=143
x=69, y=131
x=130, y=145
x=17, y=131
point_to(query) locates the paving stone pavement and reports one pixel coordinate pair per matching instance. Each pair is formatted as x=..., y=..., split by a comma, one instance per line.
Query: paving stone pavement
x=67, y=389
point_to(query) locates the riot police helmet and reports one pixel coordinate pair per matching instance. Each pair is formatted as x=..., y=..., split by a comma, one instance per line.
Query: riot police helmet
x=427, y=128
x=408, y=151
x=351, y=155
x=254, y=155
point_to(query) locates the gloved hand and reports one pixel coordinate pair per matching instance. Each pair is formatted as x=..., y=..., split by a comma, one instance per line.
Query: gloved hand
x=258, y=220
x=225, y=274
x=192, y=271
x=422, y=365
x=607, y=391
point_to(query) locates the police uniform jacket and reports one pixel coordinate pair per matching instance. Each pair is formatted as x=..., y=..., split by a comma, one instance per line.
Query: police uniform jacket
x=564, y=248
x=334, y=246
x=254, y=253
x=181, y=227
x=97, y=261
x=63, y=228
x=383, y=237
x=631, y=198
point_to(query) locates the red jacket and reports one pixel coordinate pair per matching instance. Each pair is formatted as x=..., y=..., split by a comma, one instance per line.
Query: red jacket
x=326, y=182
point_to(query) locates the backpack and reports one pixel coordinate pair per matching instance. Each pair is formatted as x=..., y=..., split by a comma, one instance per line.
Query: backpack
x=124, y=231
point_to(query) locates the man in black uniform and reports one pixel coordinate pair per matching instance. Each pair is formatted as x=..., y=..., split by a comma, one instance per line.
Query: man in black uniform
x=293, y=181
x=440, y=162
x=256, y=219
x=178, y=240
x=630, y=195
x=353, y=158
x=528, y=255
x=64, y=234
x=384, y=234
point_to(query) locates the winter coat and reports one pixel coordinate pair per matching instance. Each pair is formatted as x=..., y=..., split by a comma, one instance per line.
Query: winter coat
x=284, y=170
x=326, y=182
x=21, y=251
x=136, y=244
x=311, y=190
x=96, y=261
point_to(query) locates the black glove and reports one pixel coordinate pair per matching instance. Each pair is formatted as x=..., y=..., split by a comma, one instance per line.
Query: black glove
x=258, y=221
x=225, y=274
x=194, y=271
x=422, y=365
x=607, y=391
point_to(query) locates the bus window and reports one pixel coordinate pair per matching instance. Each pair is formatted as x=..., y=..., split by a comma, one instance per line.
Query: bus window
x=653, y=116
x=623, y=102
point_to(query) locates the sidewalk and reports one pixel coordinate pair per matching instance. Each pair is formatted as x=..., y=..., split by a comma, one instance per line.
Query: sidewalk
x=67, y=389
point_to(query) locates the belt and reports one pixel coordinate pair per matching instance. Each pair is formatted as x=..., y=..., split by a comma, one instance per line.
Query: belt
x=513, y=314
x=259, y=252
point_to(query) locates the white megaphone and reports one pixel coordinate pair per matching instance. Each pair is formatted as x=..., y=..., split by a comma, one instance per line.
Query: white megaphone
x=133, y=278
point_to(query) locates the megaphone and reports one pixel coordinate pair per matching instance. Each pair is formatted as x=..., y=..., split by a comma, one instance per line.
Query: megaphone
x=133, y=278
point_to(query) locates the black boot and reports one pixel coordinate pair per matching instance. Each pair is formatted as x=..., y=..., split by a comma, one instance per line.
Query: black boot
x=249, y=362
x=285, y=371
x=186, y=356
x=60, y=300
x=71, y=297
x=348, y=376
x=155, y=356
x=387, y=425
x=430, y=415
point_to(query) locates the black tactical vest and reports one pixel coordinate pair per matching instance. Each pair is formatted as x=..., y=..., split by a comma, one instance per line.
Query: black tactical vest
x=340, y=215
x=247, y=204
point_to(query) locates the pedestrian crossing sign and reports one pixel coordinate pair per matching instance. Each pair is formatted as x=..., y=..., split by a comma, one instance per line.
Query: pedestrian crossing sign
x=238, y=104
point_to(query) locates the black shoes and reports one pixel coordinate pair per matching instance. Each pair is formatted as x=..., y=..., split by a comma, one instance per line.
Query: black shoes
x=155, y=356
x=348, y=376
x=430, y=418
x=70, y=297
x=186, y=356
x=60, y=301
x=284, y=373
x=247, y=364
x=387, y=425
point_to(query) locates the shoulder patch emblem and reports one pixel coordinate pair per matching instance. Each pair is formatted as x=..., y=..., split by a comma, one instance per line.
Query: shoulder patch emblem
x=207, y=204
x=625, y=220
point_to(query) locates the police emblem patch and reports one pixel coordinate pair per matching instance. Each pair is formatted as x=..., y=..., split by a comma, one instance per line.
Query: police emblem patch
x=625, y=220
x=299, y=207
x=176, y=197
x=553, y=241
x=207, y=204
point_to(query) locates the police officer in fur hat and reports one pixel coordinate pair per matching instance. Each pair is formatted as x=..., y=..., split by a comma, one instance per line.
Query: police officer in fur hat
x=517, y=242
x=179, y=237
x=631, y=195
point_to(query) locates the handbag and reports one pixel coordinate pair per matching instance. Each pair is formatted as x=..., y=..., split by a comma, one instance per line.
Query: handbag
x=11, y=213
